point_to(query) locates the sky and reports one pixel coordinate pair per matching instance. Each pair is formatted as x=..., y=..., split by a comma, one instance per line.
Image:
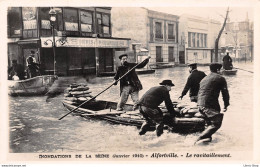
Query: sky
x=217, y=13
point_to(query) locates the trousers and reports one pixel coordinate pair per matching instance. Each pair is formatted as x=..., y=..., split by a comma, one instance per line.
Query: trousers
x=128, y=90
x=214, y=123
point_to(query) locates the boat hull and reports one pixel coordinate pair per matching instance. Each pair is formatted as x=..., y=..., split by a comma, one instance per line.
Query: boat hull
x=34, y=86
x=94, y=110
x=229, y=72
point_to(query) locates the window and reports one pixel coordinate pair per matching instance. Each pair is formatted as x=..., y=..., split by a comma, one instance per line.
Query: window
x=158, y=30
x=29, y=18
x=105, y=21
x=189, y=39
x=71, y=19
x=193, y=40
x=14, y=21
x=86, y=20
x=171, y=32
x=201, y=40
x=45, y=18
x=99, y=24
x=205, y=40
x=197, y=39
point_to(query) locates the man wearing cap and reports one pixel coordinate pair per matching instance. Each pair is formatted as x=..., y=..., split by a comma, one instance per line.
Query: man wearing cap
x=208, y=104
x=193, y=82
x=148, y=107
x=129, y=84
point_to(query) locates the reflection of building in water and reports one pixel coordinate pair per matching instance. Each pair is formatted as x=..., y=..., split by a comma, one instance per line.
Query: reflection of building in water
x=197, y=38
x=238, y=40
x=149, y=30
x=83, y=39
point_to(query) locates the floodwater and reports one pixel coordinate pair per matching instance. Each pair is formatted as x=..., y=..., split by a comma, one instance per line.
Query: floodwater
x=34, y=126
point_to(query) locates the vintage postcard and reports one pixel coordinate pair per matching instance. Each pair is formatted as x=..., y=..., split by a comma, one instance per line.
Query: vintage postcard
x=130, y=81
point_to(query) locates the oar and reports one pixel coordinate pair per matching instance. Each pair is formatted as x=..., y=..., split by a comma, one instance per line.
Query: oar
x=243, y=70
x=103, y=90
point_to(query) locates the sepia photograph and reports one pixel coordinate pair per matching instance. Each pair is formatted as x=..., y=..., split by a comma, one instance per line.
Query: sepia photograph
x=130, y=81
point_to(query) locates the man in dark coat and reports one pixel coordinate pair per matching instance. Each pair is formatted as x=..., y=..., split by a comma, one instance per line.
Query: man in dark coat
x=208, y=103
x=193, y=82
x=33, y=68
x=129, y=84
x=16, y=70
x=148, y=106
x=227, y=62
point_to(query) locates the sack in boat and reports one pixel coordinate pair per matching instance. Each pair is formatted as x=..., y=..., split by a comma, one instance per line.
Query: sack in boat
x=67, y=95
x=80, y=92
x=74, y=99
x=188, y=115
x=193, y=111
x=74, y=85
x=80, y=88
x=198, y=115
x=82, y=99
x=83, y=95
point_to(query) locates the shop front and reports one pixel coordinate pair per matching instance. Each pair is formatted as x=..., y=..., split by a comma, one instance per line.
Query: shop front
x=77, y=56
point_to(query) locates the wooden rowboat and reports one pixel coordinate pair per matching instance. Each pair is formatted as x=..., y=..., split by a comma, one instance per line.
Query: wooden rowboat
x=38, y=85
x=228, y=72
x=106, y=110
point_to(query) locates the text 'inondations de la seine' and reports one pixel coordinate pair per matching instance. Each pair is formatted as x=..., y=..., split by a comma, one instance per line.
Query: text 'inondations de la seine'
x=136, y=156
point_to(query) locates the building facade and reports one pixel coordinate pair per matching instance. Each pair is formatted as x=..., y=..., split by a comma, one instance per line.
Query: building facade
x=83, y=42
x=149, y=30
x=238, y=40
x=197, y=39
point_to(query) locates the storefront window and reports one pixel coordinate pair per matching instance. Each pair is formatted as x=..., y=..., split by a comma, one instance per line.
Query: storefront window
x=86, y=21
x=29, y=18
x=71, y=19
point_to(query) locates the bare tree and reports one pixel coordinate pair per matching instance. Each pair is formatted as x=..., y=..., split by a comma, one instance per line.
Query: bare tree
x=219, y=35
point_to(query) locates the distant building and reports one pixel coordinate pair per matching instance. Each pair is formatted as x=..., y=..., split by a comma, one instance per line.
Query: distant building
x=149, y=30
x=83, y=39
x=197, y=37
x=238, y=40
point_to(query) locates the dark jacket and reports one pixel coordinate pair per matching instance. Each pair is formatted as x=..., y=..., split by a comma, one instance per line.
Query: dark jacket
x=131, y=78
x=210, y=88
x=227, y=62
x=155, y=96
x=193, y=83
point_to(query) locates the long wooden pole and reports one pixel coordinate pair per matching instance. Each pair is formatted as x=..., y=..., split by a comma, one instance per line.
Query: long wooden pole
x=103, y=90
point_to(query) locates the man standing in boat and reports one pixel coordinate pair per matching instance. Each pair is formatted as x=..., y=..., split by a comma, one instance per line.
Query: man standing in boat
x=148, y=106
x=227, y=62
x=193, y=82
x=129, y=84
x=208, y=103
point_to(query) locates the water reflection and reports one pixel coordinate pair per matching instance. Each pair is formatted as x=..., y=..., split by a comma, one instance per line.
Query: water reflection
x=34, y=124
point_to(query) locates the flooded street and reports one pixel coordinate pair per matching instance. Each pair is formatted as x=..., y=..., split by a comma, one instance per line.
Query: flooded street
x=35, y=128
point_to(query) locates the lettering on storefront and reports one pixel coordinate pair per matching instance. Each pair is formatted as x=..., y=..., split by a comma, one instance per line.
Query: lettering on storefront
x=84, y=42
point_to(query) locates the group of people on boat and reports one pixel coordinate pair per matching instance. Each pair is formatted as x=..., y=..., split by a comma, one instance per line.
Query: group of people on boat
x=203, y=89
x=17, y=72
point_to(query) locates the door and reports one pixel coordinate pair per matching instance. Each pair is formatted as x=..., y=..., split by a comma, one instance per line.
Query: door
x=181, y=57
x=158, y=54
x=106, y=60
x=171, y=54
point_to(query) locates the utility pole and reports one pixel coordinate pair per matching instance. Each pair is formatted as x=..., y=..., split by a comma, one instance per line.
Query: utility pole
x=219, y=35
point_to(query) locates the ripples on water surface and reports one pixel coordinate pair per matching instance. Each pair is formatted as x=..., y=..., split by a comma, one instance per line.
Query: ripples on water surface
x=34, y=124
